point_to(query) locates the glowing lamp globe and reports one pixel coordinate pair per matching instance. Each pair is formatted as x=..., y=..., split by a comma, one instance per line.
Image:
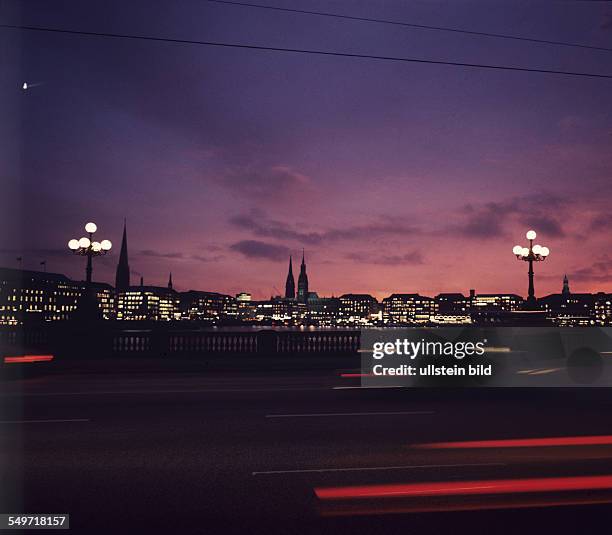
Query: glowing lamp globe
x=106, y=245
x=525, y=251
x=537, y=249
x=531, y=235
x=96, y=246
x=84, y=242
x=517, y=250
x=73, y=245
x=91, y=227
x=545, y=251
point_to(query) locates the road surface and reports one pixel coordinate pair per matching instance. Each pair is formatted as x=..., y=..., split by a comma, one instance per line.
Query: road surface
x=299, y=452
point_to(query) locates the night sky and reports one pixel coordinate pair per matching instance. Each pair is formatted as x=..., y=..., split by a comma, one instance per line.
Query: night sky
x=393, y=177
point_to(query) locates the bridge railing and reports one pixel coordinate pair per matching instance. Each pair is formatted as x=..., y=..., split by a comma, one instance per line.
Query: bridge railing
x=109, y=341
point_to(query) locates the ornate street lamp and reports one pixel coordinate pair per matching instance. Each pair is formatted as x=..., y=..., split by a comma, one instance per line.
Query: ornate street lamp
x=531, y=254
x=89, y=248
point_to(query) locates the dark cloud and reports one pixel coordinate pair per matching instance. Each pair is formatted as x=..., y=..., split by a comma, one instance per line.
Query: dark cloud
x=601, y=222
x=159, y=254
x=411, y=258
x=570, y=122
x=259, y=249
x=491, y=220
x=545, y=224
x=384, y=227
x=257, y=223
x=181, y=256
x=482, y=222
x=207, y=259
x=267, y=183
x=475, y=221
x=599, y=271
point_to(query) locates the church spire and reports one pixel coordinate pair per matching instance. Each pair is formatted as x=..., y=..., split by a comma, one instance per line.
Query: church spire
x=122, y=278
x=290, y=283
x=302, y=293
x=170, y=281
x=566, y=289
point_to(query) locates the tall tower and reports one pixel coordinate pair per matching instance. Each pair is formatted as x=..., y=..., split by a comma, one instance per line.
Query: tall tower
x=122, y=278
x=290, y=284
x=566, y=290
x=302, y=293
x=170, y=281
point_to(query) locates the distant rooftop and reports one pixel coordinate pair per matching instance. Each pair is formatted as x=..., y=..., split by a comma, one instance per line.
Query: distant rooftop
x=42, y=277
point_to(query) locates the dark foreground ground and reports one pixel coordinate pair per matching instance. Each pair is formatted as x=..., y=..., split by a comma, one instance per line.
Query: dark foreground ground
x=255, y=452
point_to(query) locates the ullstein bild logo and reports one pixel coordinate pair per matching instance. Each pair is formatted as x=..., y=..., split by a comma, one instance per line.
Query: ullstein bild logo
x=412, y=350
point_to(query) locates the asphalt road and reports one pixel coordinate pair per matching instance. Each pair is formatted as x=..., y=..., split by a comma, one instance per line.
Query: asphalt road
x=301, y=453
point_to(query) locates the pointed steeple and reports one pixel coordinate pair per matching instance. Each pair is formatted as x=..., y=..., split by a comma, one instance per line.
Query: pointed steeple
x=122, y=278
x=170, y=281
x=141, y=281
x=566, y=289
x=290, y=283
x=302, y=293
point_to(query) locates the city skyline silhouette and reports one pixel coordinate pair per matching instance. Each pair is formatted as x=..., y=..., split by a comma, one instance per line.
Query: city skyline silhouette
x=126, y=278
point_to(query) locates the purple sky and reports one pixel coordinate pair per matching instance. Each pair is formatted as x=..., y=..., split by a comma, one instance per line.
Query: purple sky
x=393, y=177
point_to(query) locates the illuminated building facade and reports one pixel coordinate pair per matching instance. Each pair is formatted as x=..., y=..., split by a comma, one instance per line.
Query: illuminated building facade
x=400, y=309
x=496, y=302
x=105, y=296
x=603, y=309
x=494, y=308
x=452, y=308
x=148, y=303
x=245, y=306
x=571, y=309
x=358, y=308
x=323, y=311
x=280, y=310
x=209, y=306
x=36, y=296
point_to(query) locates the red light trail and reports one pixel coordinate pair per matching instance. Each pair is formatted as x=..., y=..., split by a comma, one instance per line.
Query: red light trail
x=465, y=488
x=521, y=442
x=28, y=358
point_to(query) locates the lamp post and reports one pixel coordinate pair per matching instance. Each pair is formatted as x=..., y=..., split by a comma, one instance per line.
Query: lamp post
x=86, y=246
x=531, y=254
